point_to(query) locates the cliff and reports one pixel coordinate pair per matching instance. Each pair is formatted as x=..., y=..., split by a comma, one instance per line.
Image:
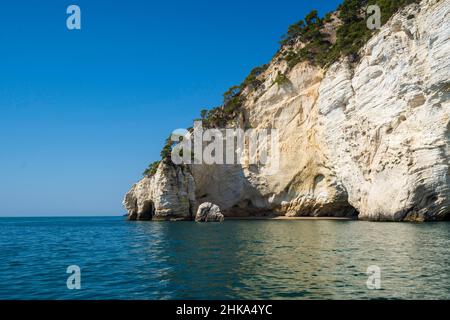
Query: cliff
x=366, y=137
x=168, y=194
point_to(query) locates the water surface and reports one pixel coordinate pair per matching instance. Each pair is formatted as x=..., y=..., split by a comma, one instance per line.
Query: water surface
x=231, y=260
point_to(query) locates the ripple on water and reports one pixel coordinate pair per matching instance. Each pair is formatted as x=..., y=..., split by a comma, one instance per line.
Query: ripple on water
x=232, y=260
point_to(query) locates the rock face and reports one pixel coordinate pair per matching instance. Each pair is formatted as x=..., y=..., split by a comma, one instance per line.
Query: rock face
x=369, y=138
x=168, y=194
x=386, y=122
x=208, y=212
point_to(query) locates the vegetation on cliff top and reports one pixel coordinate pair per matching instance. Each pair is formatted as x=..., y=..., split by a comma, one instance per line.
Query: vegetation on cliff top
x=152, y=168
x=165, y=156
x=351, y=32
x=232, y=100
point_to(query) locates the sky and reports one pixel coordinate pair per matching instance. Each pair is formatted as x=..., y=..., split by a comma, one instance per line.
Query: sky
x=83, y=112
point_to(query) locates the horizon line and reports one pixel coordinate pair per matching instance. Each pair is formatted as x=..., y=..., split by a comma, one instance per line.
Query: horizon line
x=63, y=216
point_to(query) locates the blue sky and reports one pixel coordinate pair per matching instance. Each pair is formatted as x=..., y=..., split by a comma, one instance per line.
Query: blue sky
x=83, y=112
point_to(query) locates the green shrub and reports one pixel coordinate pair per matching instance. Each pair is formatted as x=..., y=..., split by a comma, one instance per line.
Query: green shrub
x=167, y=149
x=312, y=18
x=252, y=79
x=351, y=35
x=203, y=114
x=281, y=79
x=152, y=168
x=389, y=7
x=294, y=31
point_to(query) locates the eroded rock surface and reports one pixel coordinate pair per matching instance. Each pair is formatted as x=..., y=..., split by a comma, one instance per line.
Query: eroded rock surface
x=208, y=212
x=168, y=194
x=368, y=138
x=386, y=123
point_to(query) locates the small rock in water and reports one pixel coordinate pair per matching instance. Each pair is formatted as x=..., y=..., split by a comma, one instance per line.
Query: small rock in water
x=208, y=212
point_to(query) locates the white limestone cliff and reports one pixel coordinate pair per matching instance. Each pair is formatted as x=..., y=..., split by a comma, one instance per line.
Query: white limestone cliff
x=385, y=123
x=368, y=138
x=168, y=194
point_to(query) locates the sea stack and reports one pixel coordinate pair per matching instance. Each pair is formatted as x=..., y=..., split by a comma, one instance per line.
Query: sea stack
x=208, y=212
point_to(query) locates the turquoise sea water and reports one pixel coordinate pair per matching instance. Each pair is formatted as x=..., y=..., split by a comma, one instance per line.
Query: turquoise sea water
x=231, y=260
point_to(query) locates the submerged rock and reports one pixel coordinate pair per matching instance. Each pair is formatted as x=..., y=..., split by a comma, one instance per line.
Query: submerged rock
x=208, y=212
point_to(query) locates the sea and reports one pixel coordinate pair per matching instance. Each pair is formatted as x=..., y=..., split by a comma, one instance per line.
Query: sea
x=96, y=258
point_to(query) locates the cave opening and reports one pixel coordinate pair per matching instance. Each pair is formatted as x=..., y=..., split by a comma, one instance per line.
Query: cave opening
x=447, y=216
x=148, y=211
